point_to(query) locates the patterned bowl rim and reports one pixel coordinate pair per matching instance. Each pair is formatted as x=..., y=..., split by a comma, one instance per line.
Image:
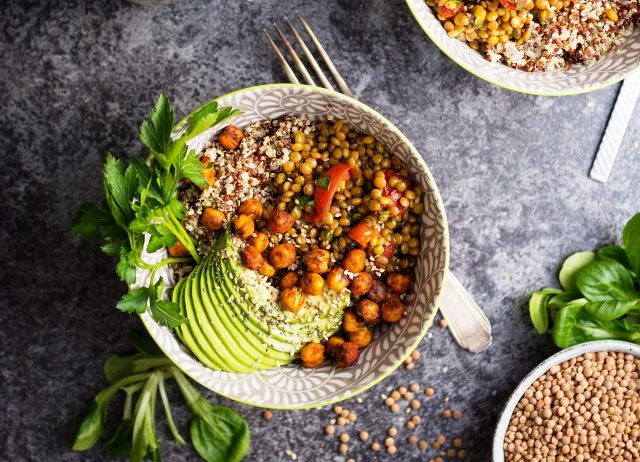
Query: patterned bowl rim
x=428, y=322
x=481, y=75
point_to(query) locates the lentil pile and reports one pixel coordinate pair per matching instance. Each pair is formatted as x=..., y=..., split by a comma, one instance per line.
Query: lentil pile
x=539, y=35
x=586, y=409
x=316, y=207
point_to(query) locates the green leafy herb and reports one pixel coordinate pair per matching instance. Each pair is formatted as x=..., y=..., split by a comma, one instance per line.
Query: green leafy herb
x=571, y=266
x=605, y=280
x=218, y=433
x=323, y=182
x=600, y=298
x=305, y=200
x=141, y=204
x=631, y=241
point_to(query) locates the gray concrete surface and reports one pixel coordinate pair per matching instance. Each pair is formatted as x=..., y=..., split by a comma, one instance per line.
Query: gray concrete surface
x=76, y=79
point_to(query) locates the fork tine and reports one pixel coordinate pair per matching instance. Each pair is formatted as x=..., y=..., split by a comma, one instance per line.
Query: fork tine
x=283, y=62
x=310, y=58
x=336, y=75
x=296, y=59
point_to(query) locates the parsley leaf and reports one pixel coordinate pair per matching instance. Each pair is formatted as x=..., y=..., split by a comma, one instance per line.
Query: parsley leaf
x=135, y=301
x=89, y=221
x=155, y=133
x=163, y=312
x=305, y=200
x=323, y=182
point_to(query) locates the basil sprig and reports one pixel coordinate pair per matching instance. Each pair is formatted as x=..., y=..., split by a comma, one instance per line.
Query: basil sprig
x=600, y=295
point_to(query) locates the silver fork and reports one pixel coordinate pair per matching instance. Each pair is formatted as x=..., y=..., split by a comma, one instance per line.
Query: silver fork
x=466, y=321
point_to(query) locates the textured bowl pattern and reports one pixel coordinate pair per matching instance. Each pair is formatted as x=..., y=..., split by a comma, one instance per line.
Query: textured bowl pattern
x=291, y=386
x=611, y=68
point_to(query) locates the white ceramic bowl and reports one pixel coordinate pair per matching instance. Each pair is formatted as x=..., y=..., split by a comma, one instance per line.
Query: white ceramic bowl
x=558, y=358
x=292, y=387
x=615, y=66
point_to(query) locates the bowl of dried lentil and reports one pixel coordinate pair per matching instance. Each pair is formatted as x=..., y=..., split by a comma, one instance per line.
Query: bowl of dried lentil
x=581, y=404
x=291, y=386
x=543, y=47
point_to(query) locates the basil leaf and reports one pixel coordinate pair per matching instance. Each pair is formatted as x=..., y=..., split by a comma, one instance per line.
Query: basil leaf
x=120, y=443
x=574, y=325
x=538, y=311
x=571, y=266
x=631, y=241
x=604, y=280
x=615, y=253
x=218, y=433
x=611, y=309
x=558, y=301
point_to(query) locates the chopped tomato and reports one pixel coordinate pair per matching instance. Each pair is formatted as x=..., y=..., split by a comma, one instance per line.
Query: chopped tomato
x=393, y=193
x=362, y=233
x=513, y=4
x=326, y=189
x=451, y=8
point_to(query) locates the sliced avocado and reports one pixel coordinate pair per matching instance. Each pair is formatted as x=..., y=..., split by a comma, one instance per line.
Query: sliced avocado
x=230, y=330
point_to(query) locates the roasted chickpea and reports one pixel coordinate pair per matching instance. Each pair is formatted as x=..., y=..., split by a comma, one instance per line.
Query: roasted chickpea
x=212, y=219
x=333, y=343
x=230, y=137
x=289, y=280
x=292, y=299
x=267, y=269
x=318, y=261
x=283, y=255
x=361, y=337
x=251, y=257
x=177, y=250
x=260, y=241
x=336, y=279
x=346, y=354
x=354, y=260
x=392, y=309
x=351, y=323
x=378, y=291
x=312, y=284
x=312, y=355
x=280, y=222
x=252, y=208
x=244, y=226
x=398, y=282
x=209, y=173
x=361, y=284
x=369, y=311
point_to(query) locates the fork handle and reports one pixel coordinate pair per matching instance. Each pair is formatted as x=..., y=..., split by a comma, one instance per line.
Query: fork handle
x=468, y=324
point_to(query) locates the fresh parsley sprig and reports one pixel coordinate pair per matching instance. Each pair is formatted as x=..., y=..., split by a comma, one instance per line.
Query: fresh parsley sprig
x=141, y=204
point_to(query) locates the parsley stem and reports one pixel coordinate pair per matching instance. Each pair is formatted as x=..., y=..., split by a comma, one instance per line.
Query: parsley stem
x=172, y=223
x=151, y=266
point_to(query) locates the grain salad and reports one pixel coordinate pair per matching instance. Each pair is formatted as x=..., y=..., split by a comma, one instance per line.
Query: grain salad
x=539, y=35
x=325, y=224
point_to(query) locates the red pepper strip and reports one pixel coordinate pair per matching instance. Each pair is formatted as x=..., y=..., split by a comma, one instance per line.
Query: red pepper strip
x=513, y=4
x=323, y=197
x=451, y=8
x=393, y=193
x=362, y=233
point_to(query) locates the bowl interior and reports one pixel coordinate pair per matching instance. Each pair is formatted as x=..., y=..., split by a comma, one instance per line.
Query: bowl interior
x=292, y=387
x=611, y=68
x=558, y=358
